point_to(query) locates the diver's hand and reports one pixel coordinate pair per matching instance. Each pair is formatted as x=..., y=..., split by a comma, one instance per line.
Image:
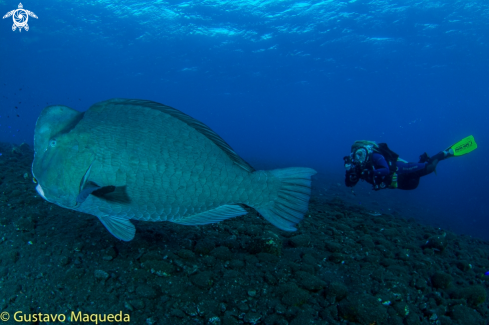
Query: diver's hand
x=353, y=177
x=348, y=164
x=367, y=173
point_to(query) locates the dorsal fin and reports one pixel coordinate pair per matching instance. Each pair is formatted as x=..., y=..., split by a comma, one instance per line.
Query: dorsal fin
x=190, y=121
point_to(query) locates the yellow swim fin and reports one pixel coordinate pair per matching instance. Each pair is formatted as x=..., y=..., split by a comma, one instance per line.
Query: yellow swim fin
x=464, y=146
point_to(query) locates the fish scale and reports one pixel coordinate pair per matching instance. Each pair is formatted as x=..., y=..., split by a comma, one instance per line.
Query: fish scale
x=167, y=154
x=133, y=159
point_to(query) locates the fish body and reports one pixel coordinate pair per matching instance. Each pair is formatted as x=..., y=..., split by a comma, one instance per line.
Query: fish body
x=133, y=159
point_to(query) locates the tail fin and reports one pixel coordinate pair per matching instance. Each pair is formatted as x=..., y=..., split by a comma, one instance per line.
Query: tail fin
x=292, y=200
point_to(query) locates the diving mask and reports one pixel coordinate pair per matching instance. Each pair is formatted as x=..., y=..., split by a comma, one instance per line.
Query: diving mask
x=360, y=156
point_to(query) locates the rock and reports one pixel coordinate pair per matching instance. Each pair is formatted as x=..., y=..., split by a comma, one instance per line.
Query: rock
x=15, y=193
x=78, y=246
x=209, y=260
x=132, y=305
x=5, y=220
x=137, y=304
x=236, y=264
x=128, y=306
x=150, y=256
x=222, y=253
x=292, y=295
x=109, y=254
x=25, y=224
x=429, y=251
x=401, y=308
x=366, y=241
x=337, y=290
x=267, y=258
x=64, y=260
x=336, y=258
x=146, y=291
x=437, y=243
x=441, y=280
x=186, y=254
x=310, y=282
x=203, y=279
x=414, y=319
x=463, y=266
x=465, y=315
x=177, y=313
x=23, y=149
x=213, y=320
x=270, y=243
x=101, y=275
x=388, y=262
x=332, y=247
x=252, y=318
x=363, y=309
x=243, y=306
x=160, y=268
x=204, y=246
x=251, y=293
x=190, y=309
x=474, y=295
x=75, y=274
x=229, y=319
x=270, y=279
x=300, y=241
x=303, y=318
x=391, y=233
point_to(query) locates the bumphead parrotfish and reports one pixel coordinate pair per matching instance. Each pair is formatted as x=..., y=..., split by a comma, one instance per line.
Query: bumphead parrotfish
x=128, y=159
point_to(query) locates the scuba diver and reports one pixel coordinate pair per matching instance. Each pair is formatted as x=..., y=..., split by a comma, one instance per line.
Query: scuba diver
x=378, y=165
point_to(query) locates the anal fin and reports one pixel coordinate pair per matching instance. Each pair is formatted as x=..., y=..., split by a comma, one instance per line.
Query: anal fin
x=212, y=216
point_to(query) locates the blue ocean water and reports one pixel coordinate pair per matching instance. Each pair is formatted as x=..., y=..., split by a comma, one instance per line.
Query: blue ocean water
x=285, y=83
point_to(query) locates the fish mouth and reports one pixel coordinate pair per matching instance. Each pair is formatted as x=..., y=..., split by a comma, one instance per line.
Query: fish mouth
x=41, y=191
x=62, y=201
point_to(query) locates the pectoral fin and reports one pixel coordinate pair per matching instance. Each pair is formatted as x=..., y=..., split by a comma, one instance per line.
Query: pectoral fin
x=113, y=194
x=87, y=187
x=94, y=189
x=121, y=228
x=82, y=196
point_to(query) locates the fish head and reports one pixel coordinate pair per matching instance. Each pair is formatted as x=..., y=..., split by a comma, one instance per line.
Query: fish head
x=61, y=160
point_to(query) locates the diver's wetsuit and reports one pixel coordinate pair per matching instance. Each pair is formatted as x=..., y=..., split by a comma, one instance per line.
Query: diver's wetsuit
x=382, y=169
x=408, y=173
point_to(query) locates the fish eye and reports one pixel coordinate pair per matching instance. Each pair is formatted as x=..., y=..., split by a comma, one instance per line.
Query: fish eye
x=52, y=143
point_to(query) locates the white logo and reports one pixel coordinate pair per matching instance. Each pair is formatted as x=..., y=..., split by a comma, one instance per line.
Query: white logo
x=20, y=17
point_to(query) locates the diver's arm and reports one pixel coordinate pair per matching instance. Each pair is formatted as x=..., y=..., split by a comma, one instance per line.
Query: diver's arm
x=380, y=165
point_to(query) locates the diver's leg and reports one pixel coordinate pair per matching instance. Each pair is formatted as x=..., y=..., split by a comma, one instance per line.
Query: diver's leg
x=424, y=158
x=411, y=172
x=407, y=182
x=433, y=161
x=409, y=167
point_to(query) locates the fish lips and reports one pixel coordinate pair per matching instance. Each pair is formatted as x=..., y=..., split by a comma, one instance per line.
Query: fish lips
x=65, y=201
x=40, y=191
